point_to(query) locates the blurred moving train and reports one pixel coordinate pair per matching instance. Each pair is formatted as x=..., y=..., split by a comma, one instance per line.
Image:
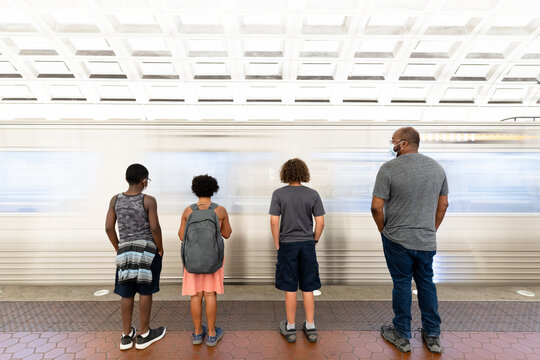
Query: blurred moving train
x=56, y=181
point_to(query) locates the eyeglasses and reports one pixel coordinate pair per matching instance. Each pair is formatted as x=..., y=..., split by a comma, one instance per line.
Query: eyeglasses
x=148, y=179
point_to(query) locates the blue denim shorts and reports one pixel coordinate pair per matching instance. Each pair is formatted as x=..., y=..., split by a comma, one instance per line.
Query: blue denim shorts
x=297, y=265
x=129, y=289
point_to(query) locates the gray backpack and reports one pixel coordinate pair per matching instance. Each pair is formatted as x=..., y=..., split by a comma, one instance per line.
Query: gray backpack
x=203, y=247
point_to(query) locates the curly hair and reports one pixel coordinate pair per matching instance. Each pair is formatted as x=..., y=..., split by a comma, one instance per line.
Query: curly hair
x=294, y=170
x=136, y=173
x=204, y=186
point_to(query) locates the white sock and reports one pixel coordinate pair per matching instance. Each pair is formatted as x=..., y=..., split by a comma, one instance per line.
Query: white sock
x=290, y=327
x=310, y=326
x=129, y=333
x=146, y=334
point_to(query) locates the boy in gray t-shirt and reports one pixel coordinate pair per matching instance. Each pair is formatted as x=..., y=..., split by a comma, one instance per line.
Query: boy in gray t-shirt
x=295, y=242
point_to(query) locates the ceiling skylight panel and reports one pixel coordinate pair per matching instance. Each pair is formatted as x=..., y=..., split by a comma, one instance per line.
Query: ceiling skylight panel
x=165, y=93
x=434, y=49
x=472, y=72
x=389, y=24
x=420, y=72
x=262, y=24
x=115, y=93
x=516, y=26
x=32, y=45
x=532, y=51
x=523, y=73
x=148, y=46
x=312, y=94
x=15, y=21
x=264, y=94
x=410, y=95
x=451, y=24
x=199, y=23
x=16, y=92
x=135, y=22
x=211, y=71
x=368, y=71
x=158, y=70
x=361, y=94
x=66, y=93
x=206, y=48
x=461, y=95
x=209, y=93
x=507, y=96
x=7, y=70
x=261, y=47
x=75, y=22
x=316, y=71
x=104, y=70
x=491, y=49
x=51, y=69
x=320, y=48
x=89, y=46
x=263, y=71
x=378, y=48
x=326, y=24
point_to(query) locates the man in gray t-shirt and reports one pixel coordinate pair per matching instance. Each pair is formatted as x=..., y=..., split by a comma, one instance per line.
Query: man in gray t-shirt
x=410, y=198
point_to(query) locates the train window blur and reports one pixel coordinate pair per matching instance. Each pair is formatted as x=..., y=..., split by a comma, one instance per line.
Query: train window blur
x=45, y=181
x=478, y=182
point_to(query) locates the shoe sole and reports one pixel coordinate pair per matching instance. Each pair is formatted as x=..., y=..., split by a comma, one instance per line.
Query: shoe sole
x=402, y=350
x=197, y=342
x=145, y=345
x=430, y=350
x=214, y=344
x=126, y=347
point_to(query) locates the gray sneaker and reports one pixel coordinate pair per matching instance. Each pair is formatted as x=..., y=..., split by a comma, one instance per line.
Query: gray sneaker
x=289, y=335
x=390, y=334
x=432, y=342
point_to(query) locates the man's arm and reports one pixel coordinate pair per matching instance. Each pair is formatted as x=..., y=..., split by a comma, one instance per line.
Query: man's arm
x=441, y=210
x=319, y=226
x=151, y=206
x=377, y=206
x=110, y=223
x=274, y=226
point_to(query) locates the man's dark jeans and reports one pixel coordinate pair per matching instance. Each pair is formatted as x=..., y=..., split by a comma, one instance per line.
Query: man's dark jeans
x=403, y=265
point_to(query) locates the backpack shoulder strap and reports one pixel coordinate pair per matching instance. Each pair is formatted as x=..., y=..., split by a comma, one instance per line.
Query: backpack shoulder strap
x=194, y=207
x=213, y=206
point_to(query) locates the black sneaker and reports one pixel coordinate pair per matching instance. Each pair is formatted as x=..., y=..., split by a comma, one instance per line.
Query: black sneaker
x=432, y=342
x=152, y=337
x=390, y=334
x=127, y=340
x=311, y=334
x=289, y=335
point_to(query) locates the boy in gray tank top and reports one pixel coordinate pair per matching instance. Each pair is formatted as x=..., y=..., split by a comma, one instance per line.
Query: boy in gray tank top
x=410, y=198
x=139, y=252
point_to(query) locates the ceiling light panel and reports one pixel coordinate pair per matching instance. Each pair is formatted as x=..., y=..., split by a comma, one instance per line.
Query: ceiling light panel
x=532, y=51
x=507, y=96
x=524, y=73
x=451, y=24
x=378, y=48
x=473, y=72
x=135, y=22
x=66, y=93
x=51, y=69
x=148, y=46
x=328, y=24
x=206, y=48
x=157, y=70
x=211, y=71
x=389, y=24
x=316, y=71
x=420, y=72
x=104, y=70
x=489, y=48
x=115, y=93
x=410, y=95
x=31, y=45
x=262, y=24
x=261, y=47
x=165, y=93
x=7, y=70
x=216, y=93
x=71, y=22
x=15, y=22
x=434, y=49
x=320, y=48
x=16, y=92
x=263, y=71
x=463, y=95
x=259, y=93
x=89, y=46
x=513, y=25
x=368, y=71
x=361, y=94
x=199, y=23
x=315, y=94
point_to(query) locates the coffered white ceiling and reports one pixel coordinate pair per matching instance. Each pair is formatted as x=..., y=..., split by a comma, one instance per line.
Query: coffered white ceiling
x=278, y=59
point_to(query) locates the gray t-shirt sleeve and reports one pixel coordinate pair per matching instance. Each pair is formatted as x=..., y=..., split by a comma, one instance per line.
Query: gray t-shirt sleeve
x=382, y=185
x=275, y=205
x=318, y=208
x=444, y=187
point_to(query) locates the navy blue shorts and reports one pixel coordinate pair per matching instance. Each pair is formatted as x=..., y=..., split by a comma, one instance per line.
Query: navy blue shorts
x=129, y=289
x=297, y=265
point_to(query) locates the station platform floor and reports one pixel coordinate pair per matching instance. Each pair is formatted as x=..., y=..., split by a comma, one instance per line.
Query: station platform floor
x=67, y=322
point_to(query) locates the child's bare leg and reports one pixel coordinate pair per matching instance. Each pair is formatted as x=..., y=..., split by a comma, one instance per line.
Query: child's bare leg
x=309, y=305
x=210, y=300
x=127, y=313
x=196, y=311
x=290, y=306
x=145, y=308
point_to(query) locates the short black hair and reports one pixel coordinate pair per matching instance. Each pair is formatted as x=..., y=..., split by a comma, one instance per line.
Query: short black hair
x=136, y=173
x=204, y=186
